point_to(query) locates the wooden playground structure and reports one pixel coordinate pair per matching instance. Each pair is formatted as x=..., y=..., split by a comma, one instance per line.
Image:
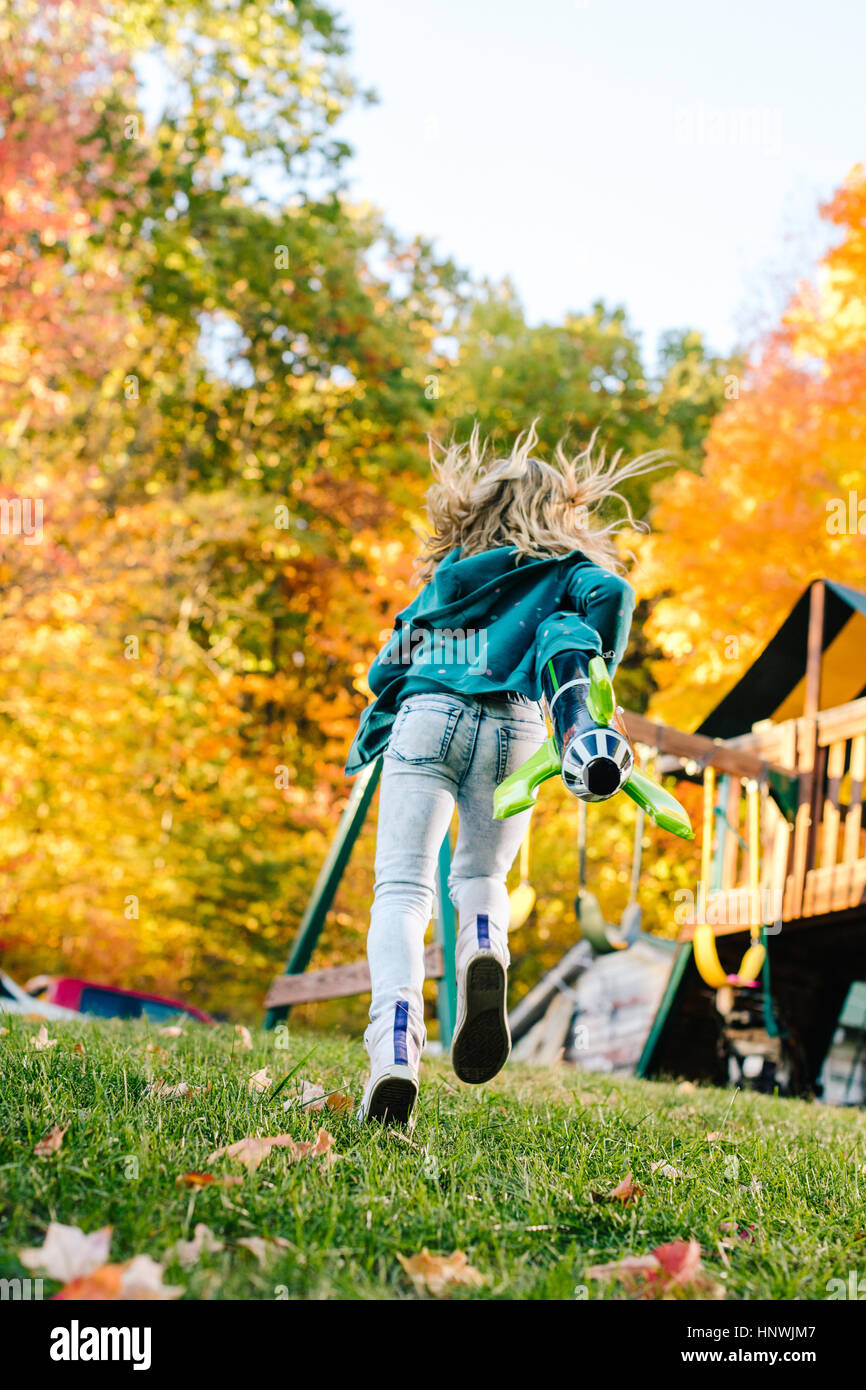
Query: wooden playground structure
x=812, y=902
x=798, y=885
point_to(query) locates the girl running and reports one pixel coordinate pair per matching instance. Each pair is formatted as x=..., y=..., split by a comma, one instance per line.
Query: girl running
x=522, y=587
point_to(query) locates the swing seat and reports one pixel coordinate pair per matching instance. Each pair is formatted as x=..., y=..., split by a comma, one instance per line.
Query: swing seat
x=712, y=971
x=631, y=923
x=704, y=939
x=593, y=927
x=521, y=901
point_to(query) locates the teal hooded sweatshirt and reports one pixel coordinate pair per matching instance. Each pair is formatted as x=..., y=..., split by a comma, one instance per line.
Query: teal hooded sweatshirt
x=487, y=623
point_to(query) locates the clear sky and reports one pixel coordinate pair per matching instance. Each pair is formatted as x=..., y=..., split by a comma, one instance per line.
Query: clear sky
x=668, y=155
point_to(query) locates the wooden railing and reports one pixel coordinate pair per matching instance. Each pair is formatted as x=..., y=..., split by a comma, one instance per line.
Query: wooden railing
x=818, y=865
x=835, y=858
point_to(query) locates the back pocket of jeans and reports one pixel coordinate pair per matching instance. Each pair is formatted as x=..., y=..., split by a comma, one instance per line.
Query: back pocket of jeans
x=422, y=733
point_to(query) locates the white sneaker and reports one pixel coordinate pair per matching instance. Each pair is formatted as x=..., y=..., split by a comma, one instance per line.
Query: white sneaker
x=481, y=1041
x=394, y=1043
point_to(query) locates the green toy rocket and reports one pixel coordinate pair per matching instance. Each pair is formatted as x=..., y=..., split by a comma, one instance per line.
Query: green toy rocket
x=592, y=755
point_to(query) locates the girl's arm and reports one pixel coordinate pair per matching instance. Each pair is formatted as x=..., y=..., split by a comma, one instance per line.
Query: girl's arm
x=594, y=618
x=605, y=601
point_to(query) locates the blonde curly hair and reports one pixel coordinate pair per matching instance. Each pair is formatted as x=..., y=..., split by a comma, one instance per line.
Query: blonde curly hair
x=480, y=501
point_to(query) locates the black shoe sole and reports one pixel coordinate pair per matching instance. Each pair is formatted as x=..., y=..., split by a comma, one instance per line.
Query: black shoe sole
x=483, y=1042
x=392, y=1101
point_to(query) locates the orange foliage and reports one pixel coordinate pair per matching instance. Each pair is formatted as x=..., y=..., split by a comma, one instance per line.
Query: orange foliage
x=734, y=547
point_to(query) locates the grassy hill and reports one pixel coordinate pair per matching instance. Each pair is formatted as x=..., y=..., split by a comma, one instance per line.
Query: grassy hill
x=506, y=1173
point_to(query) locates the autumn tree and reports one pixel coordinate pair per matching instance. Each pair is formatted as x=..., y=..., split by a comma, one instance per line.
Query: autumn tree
x=181, y=648
x=734, y=546
x=217, y=375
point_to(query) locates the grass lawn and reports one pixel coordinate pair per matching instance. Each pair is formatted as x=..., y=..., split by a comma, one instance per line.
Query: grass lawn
x=504, y=1172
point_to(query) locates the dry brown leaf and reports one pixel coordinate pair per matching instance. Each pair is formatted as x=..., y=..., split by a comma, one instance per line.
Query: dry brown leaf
x=137, y=1280
x=42, y=1040
x=52, y=1142
x=263, y=1246
x=285, y=1141
x=687, y=1088
x=142, y=1281
x=310, y=1097
x=672, y=1270
x=78, y=1049
x=439, y=1274
x=313, y=1096
x=667, y=1170
x=103, y=1285
x=630, y=1264
x=244, y=1037
x=680, y=1259
x=189, y=1252
x=260, y=1080
x=257, y=1246
x=67, y=1253
x=339, y=1100
x=158, y=1053
x=253, y=1150
x=161, y=1090
x=172, y=1030
x=626, y=1191
x=193, y=1179
x=250, y=1152
x=3, y=1032
x=324, y=1148
x=196, y=1179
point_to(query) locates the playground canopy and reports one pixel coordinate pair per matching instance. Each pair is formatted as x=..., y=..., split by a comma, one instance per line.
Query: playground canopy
x=774, y=687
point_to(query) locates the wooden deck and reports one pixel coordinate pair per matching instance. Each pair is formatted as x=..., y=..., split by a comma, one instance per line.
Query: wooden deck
x=818, y=865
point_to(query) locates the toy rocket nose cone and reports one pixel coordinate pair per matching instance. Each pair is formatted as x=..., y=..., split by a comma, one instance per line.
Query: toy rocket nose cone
x=602, y=777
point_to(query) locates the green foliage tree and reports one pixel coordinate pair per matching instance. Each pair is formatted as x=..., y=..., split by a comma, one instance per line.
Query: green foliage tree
x=235, y=371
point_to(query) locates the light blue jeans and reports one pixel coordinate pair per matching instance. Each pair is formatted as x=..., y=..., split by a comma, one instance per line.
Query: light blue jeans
x=444, y=750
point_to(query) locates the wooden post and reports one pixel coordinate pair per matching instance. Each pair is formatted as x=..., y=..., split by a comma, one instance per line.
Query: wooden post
x=814, y=650
x=811, y=706
x=329, y=877
x=807, y=747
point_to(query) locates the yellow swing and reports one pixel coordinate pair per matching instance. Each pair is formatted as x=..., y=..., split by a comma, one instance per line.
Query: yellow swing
x=707, y=960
